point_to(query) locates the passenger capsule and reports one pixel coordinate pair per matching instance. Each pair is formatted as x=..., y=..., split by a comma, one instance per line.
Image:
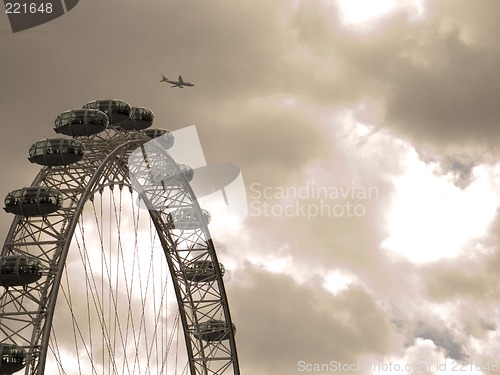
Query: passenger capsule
x=171, y=176
x=141, y=118
x=167, y=138
x=214, y=330
x=56, y=151
x=81, y=122
x=116, y=110
x=33, y=201
x=19, y=270
x=202, y=271
x=13, y=358
x=189, y=218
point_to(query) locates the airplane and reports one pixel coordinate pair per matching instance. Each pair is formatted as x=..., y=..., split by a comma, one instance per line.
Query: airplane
x=180, y=83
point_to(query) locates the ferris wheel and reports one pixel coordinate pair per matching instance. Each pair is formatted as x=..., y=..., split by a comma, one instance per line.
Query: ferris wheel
x=109, y=267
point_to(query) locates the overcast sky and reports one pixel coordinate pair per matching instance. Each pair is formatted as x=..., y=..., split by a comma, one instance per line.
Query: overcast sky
x=392, y=111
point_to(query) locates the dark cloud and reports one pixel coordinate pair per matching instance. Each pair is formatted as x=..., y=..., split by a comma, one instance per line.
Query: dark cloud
x=443, y=84
x=442, y=339
x=438, y=87
x=281, y=323
x=458, y=164
x=271, y=142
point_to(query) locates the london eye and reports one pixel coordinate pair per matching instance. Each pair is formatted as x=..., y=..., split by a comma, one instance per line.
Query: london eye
x=109, y=266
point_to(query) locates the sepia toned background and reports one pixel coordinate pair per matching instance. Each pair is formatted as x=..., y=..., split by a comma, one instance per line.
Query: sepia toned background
x=401, y=96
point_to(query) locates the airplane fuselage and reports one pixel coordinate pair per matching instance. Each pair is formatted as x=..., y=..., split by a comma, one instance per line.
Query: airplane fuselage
x=180, y=83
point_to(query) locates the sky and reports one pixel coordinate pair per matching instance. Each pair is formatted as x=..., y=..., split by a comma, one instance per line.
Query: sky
x=367, y=139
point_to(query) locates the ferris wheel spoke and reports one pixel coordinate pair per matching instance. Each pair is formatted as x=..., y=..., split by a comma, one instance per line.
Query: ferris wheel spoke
x=77, y=334
x=123, y=338
x=54, y=350
x=112, y=330
x=94, y=305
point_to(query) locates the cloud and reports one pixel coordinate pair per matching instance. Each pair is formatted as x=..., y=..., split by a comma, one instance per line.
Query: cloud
x=435, y=86
x=472, y=276
x=442, y=339
x=280, y=323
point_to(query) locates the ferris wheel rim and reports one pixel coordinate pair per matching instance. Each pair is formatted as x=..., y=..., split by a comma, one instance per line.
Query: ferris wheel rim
x=91, y=187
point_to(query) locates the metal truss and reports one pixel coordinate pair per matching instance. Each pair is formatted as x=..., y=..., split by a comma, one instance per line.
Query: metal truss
x=111, y=157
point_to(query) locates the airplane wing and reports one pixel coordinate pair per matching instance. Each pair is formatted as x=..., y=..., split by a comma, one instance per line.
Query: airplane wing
x=180, y=79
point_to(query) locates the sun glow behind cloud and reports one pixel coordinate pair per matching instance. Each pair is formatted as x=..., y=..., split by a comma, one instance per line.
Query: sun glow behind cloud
x=359, y=12
x=432, y=218
x=429, y=218
x=336, y=281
